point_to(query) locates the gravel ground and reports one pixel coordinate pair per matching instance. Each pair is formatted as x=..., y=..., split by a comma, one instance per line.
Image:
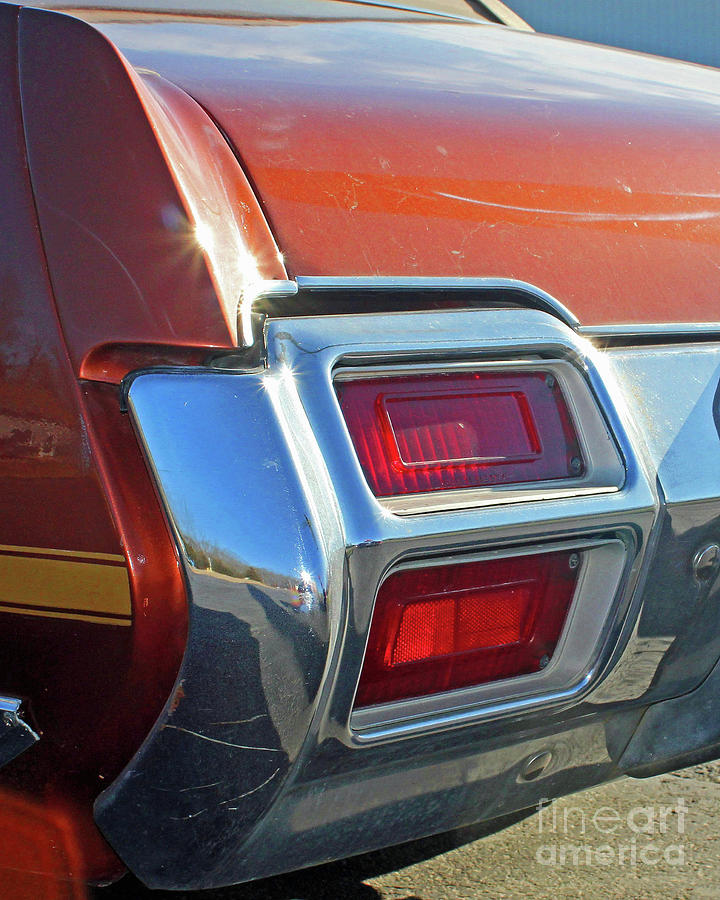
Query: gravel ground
x=655, y=838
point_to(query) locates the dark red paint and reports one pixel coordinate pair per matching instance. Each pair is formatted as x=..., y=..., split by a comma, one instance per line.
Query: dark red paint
x=148, y=222
x=73, y=479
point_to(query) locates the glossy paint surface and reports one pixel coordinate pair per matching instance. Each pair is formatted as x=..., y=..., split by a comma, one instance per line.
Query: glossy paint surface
x=51, y=498
x=92, y=603
x=426, y=148
x=151, y=230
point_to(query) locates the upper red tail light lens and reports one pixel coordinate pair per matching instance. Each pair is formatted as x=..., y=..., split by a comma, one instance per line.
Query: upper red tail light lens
x=439, y=431
x=448, y=626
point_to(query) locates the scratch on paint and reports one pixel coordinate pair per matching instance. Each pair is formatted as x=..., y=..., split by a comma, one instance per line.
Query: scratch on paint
x=590, y=216
x=204, y=737
x=190, y=816
x=240, y=721
x=254, y=790
x=91, y=234
x=247, y=793
x=197, y=787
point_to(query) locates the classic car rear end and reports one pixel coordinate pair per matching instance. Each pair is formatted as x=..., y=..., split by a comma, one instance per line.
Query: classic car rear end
x=359, y=483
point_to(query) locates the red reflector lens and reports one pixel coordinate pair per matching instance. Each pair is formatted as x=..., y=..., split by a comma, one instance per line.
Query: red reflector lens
x=432, y=432
x=449, y=626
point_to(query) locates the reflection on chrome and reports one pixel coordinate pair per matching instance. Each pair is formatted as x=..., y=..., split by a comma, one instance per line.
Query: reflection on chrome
x=254, y=290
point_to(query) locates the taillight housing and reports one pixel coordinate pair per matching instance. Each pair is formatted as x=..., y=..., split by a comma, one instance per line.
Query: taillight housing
x=439, y=627
x=418, y=433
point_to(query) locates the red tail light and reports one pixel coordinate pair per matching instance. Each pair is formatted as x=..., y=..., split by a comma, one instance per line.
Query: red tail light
x=448, y=626
x=440, y=431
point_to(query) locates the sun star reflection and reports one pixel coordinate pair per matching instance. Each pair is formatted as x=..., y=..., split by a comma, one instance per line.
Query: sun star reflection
x=204, y=236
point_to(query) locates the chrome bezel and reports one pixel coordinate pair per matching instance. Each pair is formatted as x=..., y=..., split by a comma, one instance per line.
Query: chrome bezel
x=16, y=736
x=568, y=673
x=474, y=289
x=604, y=469
x=253, y=462
x=316, y=487
x=303, y=356
x=9, y=705
x=289, y=298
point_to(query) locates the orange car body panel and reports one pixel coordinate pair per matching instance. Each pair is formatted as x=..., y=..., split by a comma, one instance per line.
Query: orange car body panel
x=444, y=149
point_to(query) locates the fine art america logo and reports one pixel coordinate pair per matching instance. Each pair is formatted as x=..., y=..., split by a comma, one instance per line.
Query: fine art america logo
x=644, y=836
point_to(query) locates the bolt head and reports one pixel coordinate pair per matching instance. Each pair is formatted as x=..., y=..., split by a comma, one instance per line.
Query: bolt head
x=706, y=562
x=536, y=765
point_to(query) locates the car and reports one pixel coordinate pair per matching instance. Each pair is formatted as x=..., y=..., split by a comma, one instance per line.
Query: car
x=359, y=430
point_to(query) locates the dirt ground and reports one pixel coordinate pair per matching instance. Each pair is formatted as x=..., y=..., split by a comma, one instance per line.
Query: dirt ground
x=656, y=838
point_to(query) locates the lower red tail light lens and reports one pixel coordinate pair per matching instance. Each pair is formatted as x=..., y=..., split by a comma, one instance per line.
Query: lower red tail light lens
x=439, y=431
x=448, y=626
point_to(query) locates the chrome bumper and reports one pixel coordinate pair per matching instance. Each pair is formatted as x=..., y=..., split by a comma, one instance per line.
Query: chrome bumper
x=16, y=736
x=258, y=764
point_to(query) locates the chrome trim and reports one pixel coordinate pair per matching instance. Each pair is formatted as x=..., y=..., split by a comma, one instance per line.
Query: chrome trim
x=256, y=523
x=251, y=295
x=505, y=15
x=473, y=498
x=401, y=7
x=665, y=329
x=310, y=351
x=569, y=672
x=296, y=395
x=283, y=547
x=675, y=397
x=9, y=705
x=653, y=334
x=678, y=420
x=16, y=736
x=540, y=299
x=604, y=468
x=258, y=474
x=266, y=291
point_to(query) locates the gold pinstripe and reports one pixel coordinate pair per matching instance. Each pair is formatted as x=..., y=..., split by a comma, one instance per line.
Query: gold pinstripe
x=73, y=554
x=77, y=617
x=90, y=588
